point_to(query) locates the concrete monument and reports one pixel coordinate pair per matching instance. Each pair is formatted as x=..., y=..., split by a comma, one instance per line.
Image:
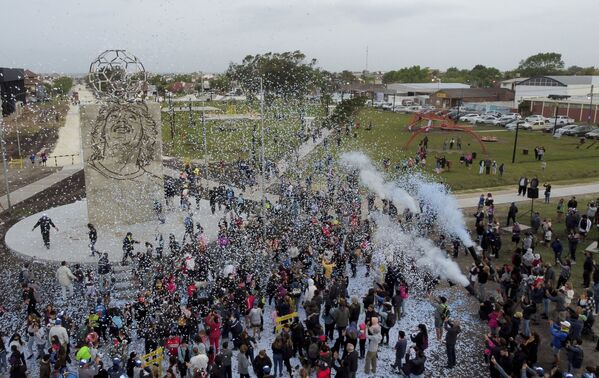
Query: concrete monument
x=122, y=146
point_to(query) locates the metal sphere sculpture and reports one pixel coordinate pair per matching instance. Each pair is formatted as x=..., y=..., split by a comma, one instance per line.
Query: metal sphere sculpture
x=117, y=75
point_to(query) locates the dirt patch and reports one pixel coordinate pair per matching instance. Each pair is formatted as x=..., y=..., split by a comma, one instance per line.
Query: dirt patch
x=37, y=125
x=19, y=177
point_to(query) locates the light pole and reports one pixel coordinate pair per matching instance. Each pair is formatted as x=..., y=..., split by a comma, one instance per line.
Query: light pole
x=205, y=145
x=263, y=156
x=516, y=141
x=4, y=165
x=438, y=80
x=589, y=119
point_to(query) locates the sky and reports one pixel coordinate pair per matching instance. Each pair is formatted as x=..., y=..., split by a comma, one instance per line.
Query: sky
x=64, y=36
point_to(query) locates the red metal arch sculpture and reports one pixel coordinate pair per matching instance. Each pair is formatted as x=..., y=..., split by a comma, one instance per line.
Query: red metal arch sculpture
x=447, y=125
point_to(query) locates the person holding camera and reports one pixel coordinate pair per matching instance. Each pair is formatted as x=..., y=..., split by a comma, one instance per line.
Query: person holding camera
x=452, y=328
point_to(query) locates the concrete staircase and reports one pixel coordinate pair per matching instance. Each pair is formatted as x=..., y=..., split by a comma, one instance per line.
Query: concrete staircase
x=123, y=290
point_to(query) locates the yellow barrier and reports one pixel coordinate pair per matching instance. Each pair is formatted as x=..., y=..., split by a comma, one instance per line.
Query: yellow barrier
x=16, y=162
x=282, y=320
x=154, y=357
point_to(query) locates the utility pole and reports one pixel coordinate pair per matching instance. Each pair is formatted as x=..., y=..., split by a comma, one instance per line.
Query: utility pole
x=555, y=121
x=4, y=165
x=515, y=142
x=205, y=145
x=172, y=111
x=262, y=201
x=589, y=119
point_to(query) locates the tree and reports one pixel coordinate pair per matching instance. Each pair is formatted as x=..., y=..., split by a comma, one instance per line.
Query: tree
x=347, y=109
x=413, y=74
x=63, y=85
x=283, y=74
x=484, y=77
x=541, y=64
x=220, y=83
x=346, y=77
x=576, y=70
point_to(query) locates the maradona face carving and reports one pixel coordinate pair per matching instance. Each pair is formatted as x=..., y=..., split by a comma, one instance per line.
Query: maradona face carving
x=123, y=141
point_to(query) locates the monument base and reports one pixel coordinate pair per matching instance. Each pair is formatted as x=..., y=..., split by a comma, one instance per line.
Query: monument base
x=71, y=242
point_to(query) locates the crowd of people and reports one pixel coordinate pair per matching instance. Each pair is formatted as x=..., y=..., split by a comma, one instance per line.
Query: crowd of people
x=279, y=274
x=536, y=298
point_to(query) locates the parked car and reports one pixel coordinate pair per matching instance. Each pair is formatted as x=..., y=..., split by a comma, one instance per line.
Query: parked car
x=470, y=117
x=534, y=117
x=486, y=118
x=513, y=115
x=414, y=108
x=562, y=129
x=523, y=125
x=560, y=120
x=536, y=125
x=503, y=120
x=594, y=134
x=387, y=106
x=400, y=109
x=579, y=130
x=512, y=125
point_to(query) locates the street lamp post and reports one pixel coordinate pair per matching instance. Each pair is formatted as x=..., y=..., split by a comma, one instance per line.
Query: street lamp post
x=4, y=165
x=263, y=157
x=205, y=145
x=589, y=119
x=556, y=113
x=515, y=141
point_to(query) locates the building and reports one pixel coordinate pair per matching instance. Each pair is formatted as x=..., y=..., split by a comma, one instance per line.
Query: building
x=577, y=109
x=449, y=98
x=12, y=88
x=574, y=96
x=511, y=83
x=418, y=93
x=545, y=87
x=420, y=89
x=32, y=81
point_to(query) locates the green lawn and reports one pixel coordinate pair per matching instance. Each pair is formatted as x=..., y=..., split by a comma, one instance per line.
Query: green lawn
x=229, y=140
x=547, y=211
x=565, y=161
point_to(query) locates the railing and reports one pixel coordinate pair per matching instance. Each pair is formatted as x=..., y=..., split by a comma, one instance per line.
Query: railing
x=20, y=163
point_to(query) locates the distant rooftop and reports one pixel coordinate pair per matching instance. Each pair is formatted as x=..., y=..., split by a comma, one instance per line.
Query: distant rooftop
x=424, y=87
x=560, y=80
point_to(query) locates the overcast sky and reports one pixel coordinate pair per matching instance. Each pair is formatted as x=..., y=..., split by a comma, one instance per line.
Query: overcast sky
x=205, y=35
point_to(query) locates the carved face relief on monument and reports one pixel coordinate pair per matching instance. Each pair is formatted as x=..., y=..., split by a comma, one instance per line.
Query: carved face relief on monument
x=123, y=141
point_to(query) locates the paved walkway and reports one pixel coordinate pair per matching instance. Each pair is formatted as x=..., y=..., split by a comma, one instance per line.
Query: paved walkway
x=69, y=136
x=509, y=196
x=32, y=189
x=253, y=193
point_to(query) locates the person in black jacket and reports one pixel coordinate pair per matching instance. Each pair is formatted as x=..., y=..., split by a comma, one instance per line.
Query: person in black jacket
x=451, y=337
x=128, y=243
x=93, y=238
x=511, y=214
x=45, y=223
x=262, y=360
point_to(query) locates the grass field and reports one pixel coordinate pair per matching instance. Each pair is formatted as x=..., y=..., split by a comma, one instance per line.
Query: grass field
x=565, y=160
x=546, y=211
x=229, y=140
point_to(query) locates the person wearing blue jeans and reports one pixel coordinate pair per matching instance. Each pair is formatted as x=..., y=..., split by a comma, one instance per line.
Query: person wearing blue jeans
x=277, y=356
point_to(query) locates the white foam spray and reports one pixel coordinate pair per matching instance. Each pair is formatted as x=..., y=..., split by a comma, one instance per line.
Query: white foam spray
x=375, y=181
x=394, y=245
x=449, y=217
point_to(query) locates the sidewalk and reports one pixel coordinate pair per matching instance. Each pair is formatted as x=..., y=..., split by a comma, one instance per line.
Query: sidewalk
x=509, y=196
x=39, y=186
x=253, y=193
x=69, y=136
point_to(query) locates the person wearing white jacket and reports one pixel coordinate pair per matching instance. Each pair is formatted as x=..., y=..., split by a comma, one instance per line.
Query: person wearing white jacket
x=59, y=331
x=65, y=278
x=311, y=290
